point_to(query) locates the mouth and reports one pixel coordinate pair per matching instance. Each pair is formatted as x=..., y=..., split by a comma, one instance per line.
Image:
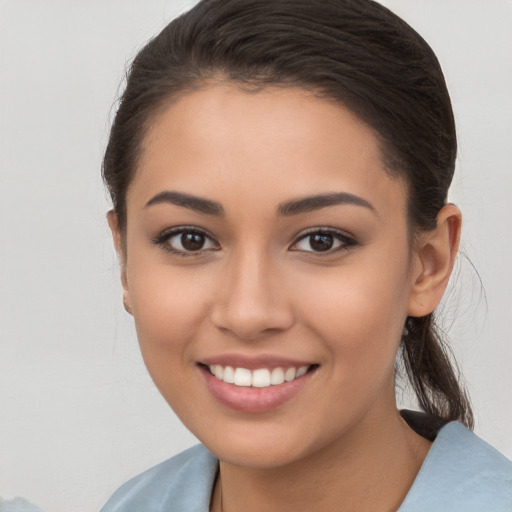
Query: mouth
x=259, y=378
x=259, y=389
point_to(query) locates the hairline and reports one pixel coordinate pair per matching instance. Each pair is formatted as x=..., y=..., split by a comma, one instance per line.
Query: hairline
x=390, y=161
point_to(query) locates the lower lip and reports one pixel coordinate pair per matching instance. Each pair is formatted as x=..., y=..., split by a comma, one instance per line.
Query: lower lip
x=251, y=399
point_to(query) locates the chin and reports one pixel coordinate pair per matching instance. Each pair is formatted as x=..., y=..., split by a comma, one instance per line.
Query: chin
x=255, y=455
x=258, y=445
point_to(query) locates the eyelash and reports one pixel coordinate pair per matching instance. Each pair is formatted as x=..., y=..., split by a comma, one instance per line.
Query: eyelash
x=162, y=240
x=346, y=241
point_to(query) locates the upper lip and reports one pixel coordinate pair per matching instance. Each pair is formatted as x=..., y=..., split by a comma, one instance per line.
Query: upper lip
x=254, y=362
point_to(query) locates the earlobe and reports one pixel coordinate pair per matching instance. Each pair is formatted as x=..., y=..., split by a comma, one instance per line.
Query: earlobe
x=117, y=237
x=435, y=256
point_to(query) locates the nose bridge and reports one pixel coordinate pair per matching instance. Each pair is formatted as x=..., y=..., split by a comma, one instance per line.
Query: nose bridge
x=252, y=300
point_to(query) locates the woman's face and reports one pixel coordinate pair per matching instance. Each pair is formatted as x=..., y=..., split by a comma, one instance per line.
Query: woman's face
x=265, y=238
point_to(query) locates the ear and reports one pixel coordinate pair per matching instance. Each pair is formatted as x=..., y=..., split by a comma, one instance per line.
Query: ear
x=117, y=236
x=435, y=256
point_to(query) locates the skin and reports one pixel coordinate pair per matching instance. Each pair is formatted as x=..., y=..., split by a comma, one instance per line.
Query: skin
x=258, y=288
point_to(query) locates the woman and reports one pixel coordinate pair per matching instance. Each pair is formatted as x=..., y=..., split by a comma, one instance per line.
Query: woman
x=279, y=175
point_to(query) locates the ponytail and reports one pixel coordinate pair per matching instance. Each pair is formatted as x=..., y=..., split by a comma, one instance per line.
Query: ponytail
x=432, y=372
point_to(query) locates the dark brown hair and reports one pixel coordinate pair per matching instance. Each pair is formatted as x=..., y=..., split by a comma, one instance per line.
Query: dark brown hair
x=353, y=52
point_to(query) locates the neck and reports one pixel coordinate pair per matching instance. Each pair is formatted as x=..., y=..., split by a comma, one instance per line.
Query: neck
x=371, y=468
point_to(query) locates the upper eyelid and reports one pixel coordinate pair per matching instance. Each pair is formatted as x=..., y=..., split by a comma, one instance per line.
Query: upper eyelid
x=174, y=231
x=322, y=229
x=302, y=232
x=161, y=238
x=169, y=232
x=347, y=240
x=161, y=241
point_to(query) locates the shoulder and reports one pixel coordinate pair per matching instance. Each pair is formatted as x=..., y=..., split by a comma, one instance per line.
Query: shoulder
x=184, y=481
x=461, y=473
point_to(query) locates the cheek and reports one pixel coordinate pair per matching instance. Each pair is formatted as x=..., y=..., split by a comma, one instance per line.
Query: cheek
x=359, y=312
x=169, y=307
x=360, y=331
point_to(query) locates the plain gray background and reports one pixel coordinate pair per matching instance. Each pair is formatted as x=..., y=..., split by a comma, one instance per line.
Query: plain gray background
x=78, y=414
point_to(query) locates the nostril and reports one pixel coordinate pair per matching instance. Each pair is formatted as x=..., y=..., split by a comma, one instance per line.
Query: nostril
x=251, y=323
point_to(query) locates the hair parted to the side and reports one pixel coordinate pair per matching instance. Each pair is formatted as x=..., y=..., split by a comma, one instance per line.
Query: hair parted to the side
x=353, y=52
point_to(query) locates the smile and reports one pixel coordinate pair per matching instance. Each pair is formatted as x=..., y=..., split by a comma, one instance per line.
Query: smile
x=260, y=378
x=264, y=386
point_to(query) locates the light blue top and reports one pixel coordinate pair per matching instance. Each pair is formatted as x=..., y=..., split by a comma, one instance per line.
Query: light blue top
x=461, y=473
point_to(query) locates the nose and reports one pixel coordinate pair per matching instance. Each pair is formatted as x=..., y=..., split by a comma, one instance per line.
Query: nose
x=252, y=301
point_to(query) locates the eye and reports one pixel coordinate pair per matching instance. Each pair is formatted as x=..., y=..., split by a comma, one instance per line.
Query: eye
x=323, y=241
x=185, y=241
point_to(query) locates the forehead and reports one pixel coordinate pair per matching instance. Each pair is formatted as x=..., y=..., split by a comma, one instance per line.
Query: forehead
x=226, y=142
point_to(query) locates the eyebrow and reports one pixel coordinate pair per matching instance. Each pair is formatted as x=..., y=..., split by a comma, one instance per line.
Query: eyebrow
x=295, y=207
x=308, y=204
x=187, y=201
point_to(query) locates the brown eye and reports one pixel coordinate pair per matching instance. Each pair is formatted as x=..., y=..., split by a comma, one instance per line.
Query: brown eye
x=185, y=241
x=192, y=241
x=323, y=241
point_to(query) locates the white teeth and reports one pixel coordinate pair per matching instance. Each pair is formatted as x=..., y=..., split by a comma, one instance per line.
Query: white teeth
x=260, y=378
x=242, y=377
x=218, y=371
x=229, y=375
x=290, y=374
x=302, y=371
x=277, y=376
